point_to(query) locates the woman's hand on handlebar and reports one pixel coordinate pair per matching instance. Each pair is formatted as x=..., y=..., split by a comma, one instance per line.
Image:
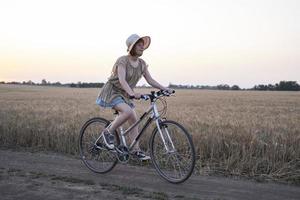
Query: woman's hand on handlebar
x=169, y=90
x=135, y=96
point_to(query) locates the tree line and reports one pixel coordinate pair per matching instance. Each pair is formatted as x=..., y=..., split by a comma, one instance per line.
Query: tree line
x=217, y=87
x=281, y=86
x=44, y=82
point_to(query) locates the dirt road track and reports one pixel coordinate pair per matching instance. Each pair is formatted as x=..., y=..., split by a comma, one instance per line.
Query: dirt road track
x=25, y=175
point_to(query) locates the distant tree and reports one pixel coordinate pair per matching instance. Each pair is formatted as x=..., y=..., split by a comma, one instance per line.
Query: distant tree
x=288, y=86
x=263, y=87
x=56, y=84
x=223, y=87
x=30, y=82
x=14, y=82
x=271, y=87
x=235, y=87
x=44, y=82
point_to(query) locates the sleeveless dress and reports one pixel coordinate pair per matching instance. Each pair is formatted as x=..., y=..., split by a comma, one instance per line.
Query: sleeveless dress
x=112, y=89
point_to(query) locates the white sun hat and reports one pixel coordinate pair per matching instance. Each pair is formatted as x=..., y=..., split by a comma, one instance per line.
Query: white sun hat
x=132, y=39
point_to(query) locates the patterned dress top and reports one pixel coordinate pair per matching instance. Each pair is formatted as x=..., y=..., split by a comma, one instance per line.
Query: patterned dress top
x=112, y=88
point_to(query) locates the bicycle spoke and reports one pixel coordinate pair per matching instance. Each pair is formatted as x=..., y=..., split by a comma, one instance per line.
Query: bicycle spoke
x=174, y=162
x=182, y=158
x=179, y=167
x=89, y=143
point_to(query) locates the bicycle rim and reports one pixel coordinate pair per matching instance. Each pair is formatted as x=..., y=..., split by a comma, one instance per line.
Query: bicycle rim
x=96, y=157
x=174, y=161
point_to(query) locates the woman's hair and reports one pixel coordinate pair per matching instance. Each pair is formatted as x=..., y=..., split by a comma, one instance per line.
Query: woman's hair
x=132, y=52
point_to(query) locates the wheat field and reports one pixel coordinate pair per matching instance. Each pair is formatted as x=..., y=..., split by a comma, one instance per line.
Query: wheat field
x=245, y=133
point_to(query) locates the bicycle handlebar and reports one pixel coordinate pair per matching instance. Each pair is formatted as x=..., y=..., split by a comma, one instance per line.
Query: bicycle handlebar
x=154, y=95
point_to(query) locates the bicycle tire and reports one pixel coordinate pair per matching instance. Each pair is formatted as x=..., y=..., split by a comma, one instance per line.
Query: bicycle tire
x=183, y=151
x=93, y=157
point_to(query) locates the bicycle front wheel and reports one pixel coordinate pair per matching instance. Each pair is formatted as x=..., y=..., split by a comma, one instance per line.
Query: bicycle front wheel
x=172, y=152
x=93, y=151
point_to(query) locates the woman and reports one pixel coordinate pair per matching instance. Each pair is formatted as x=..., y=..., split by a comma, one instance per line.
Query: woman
x=117, y=91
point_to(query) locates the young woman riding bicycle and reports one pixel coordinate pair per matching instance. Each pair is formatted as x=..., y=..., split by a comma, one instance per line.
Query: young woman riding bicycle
x=118, y=90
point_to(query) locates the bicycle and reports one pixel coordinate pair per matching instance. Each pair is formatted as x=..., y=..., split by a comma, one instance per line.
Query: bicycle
x=171, y=147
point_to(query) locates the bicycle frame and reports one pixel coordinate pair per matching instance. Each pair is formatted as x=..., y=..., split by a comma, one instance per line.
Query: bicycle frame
x=155, y=116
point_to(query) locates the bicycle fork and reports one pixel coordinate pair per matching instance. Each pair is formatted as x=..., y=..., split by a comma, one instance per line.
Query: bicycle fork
x=160, y=128
x=165, y=136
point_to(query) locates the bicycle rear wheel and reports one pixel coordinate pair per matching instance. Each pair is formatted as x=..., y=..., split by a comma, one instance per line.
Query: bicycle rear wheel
x=172, y=152
x=94, y=154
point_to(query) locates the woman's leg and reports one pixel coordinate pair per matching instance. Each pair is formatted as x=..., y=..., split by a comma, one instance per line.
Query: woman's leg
x=125, y=113
x=135, y=131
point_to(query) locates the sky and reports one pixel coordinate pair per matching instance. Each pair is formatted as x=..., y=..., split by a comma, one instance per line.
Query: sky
x=195, y=42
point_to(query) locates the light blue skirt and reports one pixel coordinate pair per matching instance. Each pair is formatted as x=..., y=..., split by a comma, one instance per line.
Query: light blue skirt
x=113, y=103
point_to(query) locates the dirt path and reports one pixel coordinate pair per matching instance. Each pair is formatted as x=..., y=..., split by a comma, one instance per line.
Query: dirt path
x=25, y=175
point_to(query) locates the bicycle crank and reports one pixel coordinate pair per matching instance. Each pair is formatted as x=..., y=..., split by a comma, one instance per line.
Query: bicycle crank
x=122, y=153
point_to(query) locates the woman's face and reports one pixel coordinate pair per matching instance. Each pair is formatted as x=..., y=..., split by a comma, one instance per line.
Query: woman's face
x=138, y=48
